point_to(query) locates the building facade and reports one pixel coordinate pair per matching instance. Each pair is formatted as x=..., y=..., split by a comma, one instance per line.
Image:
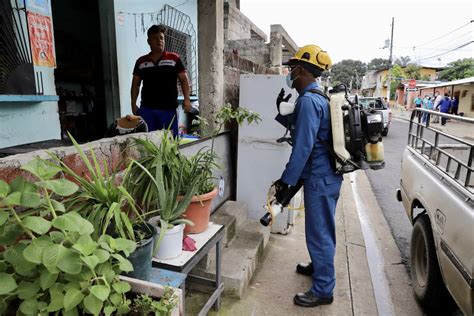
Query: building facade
x=78, y=57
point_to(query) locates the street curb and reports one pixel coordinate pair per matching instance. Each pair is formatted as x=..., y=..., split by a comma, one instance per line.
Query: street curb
x=360, y=282
x=397, y=278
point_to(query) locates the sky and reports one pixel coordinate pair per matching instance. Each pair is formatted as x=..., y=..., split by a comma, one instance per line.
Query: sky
x=424, y=30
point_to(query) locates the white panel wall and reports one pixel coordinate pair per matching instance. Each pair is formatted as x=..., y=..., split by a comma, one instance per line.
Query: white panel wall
x=260, y=159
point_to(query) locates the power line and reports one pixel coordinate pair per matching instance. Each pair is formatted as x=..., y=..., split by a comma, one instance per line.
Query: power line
x=430, y=49
x=445, y=34
x=451, y=47
x=440, y=54
x=450, y=41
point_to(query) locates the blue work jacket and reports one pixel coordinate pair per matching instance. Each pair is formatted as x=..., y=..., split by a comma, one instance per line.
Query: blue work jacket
x=309, y=157
x=445, y=105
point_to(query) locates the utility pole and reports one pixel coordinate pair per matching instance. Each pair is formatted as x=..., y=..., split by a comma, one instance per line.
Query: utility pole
x=389, y=77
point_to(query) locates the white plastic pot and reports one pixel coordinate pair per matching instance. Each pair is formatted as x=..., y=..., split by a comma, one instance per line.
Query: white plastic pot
x=171, y=245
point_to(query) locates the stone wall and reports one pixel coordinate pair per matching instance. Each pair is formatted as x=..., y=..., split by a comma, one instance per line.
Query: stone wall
x=115, y=152
x=235, y=65
x=238, y=26
x=254, y=50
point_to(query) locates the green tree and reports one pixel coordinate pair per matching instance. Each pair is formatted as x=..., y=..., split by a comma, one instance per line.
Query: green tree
x=397, y=75
x=459, y=69
x=412, y=71
x=403, y=61
x=378, y=64
x=348, y=70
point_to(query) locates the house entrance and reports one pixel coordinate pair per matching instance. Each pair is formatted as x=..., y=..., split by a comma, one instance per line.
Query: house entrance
x=79, y=74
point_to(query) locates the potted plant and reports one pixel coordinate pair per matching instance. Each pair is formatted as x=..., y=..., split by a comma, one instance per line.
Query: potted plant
x=170, y=222
x=202, y=165
x=50, y=263
x=111, y=209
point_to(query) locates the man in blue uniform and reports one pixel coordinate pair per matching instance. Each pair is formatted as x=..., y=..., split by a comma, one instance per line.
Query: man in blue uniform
x=311, y=162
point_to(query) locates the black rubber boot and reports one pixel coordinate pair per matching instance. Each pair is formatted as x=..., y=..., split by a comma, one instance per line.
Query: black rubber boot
x=305, y=269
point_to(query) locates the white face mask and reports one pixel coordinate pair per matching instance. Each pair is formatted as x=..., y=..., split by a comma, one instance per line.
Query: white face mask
x=290, y=81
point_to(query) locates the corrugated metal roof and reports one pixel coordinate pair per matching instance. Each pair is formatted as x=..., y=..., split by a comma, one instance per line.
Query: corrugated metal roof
x=453, y=83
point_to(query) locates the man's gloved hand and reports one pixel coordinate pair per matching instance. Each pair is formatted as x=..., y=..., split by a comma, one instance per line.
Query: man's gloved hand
x=281, y=98
x=281, y=189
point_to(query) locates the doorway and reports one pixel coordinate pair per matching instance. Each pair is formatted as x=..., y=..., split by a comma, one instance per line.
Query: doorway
x=79, y=74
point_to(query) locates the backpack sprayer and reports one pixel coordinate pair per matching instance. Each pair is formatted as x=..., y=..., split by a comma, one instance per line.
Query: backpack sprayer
x=356, y=142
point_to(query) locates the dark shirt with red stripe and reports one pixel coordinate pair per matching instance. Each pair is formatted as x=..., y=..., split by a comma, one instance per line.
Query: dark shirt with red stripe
x=159, y=90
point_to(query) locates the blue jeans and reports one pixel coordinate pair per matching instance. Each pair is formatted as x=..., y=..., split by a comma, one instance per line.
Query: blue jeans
x=159, y=119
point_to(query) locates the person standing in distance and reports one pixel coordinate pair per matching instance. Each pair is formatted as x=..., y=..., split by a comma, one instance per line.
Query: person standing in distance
x=311, y=162
x=159, y=71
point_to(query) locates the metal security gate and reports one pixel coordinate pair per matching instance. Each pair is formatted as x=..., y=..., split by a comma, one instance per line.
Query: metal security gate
x=16, y=67
x=180, y=38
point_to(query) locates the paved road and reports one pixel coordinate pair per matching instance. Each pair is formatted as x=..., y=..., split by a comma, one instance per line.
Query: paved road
x=385, y=182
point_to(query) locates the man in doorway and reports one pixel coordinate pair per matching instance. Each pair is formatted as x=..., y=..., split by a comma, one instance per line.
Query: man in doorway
x=159, y=71
x=310, y=161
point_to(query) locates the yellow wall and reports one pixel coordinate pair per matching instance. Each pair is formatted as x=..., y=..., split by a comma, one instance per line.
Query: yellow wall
x=383, y=77
x=384, y=73
x=428, y=71
x=465, y=103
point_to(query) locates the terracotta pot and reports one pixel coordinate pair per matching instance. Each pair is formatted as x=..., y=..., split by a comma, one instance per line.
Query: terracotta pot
x=199, y=212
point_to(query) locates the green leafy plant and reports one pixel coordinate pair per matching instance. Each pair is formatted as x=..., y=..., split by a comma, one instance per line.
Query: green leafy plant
x=138, y=181
x=50, y=262
x=205, y=161
x=168, y=203
x=146, y=305
x=109, y=206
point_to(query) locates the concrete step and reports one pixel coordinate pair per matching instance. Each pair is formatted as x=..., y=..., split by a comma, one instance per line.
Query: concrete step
x=240, y=258
x=231, y=215
x=237, y=210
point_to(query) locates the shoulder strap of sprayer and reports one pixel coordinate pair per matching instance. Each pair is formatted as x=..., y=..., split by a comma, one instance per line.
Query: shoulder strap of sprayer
x=325, y=143
x=330, y=148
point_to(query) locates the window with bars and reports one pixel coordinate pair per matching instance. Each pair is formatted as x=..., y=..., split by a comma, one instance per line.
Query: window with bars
x=180, y=38
x=16, y=68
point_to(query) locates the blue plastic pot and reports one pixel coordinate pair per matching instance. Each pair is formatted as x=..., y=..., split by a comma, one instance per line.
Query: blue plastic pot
x=141, y=257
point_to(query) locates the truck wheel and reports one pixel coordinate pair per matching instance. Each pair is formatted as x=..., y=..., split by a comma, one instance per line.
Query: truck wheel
x=385, y=132
x=428, y=285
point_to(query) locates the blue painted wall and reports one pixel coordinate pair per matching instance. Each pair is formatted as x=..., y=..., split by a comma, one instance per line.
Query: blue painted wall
x=131, y=40
x=29, y=122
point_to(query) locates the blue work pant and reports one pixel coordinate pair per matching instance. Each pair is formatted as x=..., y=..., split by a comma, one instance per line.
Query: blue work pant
x=320, y=199
x=159, y=119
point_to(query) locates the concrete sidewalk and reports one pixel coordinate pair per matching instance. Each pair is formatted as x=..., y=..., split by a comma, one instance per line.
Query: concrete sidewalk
x=453, y=127
x=276, y=282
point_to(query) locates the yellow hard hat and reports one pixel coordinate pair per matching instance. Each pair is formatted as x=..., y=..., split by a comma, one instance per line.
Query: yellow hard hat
x=311, y=54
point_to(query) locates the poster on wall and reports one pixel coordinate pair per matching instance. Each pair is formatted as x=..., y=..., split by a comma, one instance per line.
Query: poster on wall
x=38, y=6
x=40, y=30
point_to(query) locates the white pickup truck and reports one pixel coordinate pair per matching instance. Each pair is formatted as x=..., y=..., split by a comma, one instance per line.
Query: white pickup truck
x=437, y=192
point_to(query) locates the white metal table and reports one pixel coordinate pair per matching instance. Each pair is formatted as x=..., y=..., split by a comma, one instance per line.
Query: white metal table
x=188, y=260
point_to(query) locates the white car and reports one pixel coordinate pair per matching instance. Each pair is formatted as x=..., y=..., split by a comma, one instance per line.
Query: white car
x=379, y=104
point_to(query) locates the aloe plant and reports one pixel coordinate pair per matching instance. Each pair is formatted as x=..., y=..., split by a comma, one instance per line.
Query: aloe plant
x=105, y=204
x=170, y=207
